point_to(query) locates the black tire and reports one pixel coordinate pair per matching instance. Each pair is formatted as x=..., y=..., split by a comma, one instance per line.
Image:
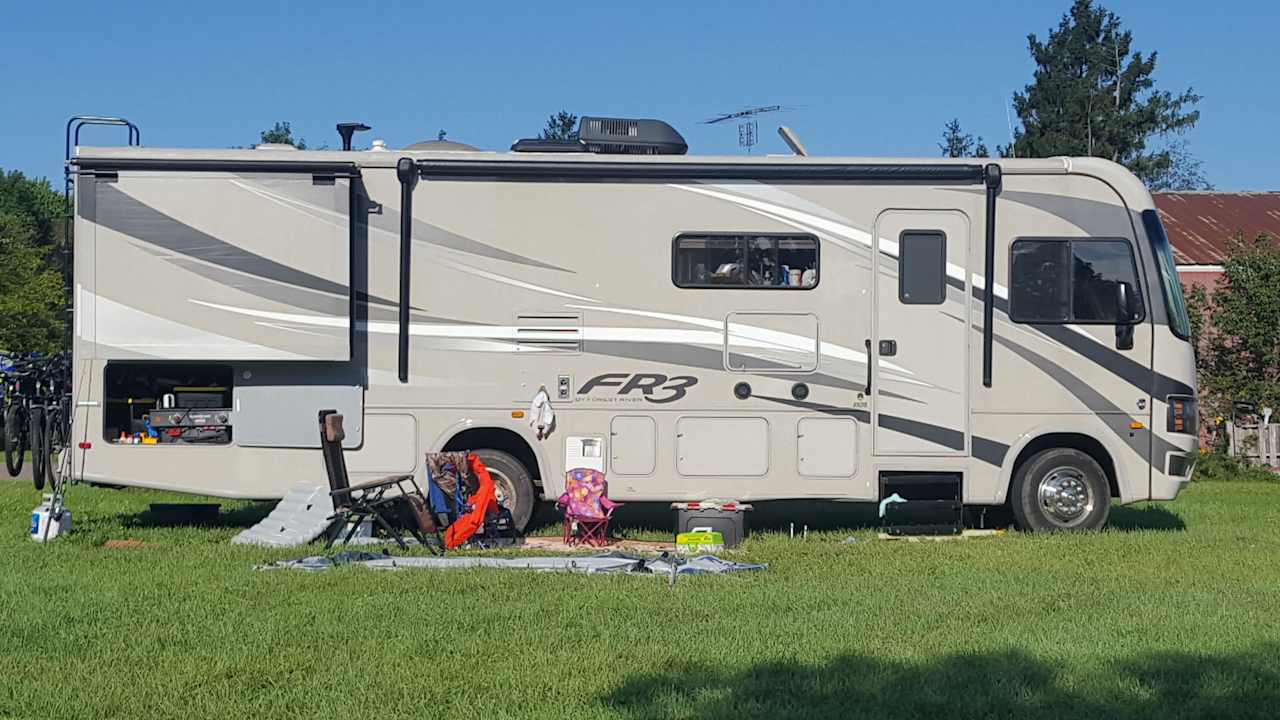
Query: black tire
x=15, y=440
x=1060, y=489
x=55, y=437
x=513, y=482
x=39, y=455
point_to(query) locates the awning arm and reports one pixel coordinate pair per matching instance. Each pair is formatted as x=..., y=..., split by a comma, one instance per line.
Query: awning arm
x=992, y=179
x=407, y=173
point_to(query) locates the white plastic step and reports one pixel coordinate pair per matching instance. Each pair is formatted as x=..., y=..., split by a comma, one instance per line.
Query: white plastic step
x=300, y=517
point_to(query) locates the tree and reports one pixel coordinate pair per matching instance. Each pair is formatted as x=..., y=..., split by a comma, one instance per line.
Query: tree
x=1185, y=172
x=282, y=134
x=32, y=303
x=1092, y=95
x=1239, y=353
x=958, y=144
x=562, y=126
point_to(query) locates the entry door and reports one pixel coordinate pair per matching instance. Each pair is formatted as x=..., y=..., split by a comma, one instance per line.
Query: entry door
x=918, y=348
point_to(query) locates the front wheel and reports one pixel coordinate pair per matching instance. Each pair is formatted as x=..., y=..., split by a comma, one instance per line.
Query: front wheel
x=512, y=483
x=39, y=448
x=15, y=440
x=1060, y=489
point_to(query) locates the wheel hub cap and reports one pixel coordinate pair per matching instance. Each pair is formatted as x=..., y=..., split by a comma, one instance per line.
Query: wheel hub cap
x=1065, y=495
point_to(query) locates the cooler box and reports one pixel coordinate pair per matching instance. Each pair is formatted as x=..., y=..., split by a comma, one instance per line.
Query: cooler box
x=729, y=519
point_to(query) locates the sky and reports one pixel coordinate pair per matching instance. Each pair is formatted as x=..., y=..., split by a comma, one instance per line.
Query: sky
x=867, y=78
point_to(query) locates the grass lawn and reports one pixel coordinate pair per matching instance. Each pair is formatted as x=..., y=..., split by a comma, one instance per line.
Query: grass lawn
x=1175, y=612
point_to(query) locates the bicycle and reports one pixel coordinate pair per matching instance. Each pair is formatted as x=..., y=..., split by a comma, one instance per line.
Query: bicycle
x=57, y=417
x=16, y=419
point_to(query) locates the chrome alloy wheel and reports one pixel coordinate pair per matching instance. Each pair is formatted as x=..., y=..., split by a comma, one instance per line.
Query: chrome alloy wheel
x=1065, y=496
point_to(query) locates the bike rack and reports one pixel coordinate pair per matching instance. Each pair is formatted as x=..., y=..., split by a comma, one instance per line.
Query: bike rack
x=72, y=140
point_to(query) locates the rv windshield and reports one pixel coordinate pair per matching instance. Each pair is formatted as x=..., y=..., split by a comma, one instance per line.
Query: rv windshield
x=1173, y=302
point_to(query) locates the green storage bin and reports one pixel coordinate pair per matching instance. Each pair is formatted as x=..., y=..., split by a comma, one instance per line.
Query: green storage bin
x=700, y=540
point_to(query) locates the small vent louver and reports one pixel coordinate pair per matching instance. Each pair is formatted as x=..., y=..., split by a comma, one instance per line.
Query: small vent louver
x=607, y=126
x=549, y=332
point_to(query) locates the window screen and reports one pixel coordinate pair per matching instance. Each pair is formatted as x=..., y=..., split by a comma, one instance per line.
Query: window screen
x=922, y=267
x=1060, y=281
x=784, y=262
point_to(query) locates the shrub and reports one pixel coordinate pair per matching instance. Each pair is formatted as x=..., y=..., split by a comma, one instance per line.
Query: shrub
x=1220, y=467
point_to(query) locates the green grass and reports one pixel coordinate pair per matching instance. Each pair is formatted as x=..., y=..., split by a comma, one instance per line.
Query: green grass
x=1175, y=612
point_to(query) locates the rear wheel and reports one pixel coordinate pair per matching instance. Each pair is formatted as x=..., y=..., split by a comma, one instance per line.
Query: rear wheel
x=55, y=437
x=15, y=440
x=512, y=482
x=39, y=448
x=1061, y=489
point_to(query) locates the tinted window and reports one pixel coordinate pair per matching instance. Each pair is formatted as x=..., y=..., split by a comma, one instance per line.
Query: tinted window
x=1039, y=284
x=922, y=268
x=1055, y=281
x=1098, y=267
x=745, y=261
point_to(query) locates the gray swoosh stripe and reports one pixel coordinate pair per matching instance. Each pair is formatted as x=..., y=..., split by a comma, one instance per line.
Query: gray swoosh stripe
x=124, y=214
x=389, y=222
x=988, y=451
x=1128, y=369
x=704, y=358
x=1090, y=397
x=936, y=434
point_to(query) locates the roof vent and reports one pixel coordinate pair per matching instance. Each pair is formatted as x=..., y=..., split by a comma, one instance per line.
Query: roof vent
x=274, y=146
x=624, y=136
x=613, y=136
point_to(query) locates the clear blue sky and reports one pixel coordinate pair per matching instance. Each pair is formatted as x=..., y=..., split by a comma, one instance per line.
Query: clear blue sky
x=868, y=78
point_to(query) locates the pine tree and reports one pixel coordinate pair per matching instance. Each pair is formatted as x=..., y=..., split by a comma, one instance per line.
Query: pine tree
x=1093, y=95
x=562, y=126
x=958, y=144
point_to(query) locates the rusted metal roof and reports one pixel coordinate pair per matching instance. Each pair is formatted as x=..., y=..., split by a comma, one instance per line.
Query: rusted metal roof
x=1200, y=223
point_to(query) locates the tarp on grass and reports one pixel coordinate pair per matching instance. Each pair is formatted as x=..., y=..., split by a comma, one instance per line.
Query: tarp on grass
x=612, y=562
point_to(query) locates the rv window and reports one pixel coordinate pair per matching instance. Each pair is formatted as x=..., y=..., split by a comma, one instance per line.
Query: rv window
x=922, y=267
x=1071, y=281
x=783, y=262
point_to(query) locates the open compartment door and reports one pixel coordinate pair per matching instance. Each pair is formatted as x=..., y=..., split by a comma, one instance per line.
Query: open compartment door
x=221, y=265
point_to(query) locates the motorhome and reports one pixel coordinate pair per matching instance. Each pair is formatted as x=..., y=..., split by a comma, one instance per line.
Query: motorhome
x=697, y=327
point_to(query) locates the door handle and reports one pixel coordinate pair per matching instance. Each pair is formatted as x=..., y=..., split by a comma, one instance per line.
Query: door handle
x=888, y=348
x=867, y=391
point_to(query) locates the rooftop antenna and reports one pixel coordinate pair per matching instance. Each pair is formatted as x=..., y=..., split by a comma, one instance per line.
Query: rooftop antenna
x=748, y=128
x=1008, y=117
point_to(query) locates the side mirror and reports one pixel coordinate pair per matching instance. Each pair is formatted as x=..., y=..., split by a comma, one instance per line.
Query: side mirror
x=1126, y=315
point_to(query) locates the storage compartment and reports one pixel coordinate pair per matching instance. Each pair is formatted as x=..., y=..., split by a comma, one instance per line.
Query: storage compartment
x=921, y=503
x=722, y=446
x=728, y=519
x=167, y=403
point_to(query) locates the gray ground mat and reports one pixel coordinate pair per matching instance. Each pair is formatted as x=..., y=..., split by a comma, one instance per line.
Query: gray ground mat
x=612, y=562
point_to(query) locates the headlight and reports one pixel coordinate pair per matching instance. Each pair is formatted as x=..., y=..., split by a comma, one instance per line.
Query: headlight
x=1182, y=415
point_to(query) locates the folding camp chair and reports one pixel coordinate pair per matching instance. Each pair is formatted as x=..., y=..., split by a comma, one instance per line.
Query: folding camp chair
x=587, y=510
x=352, y=504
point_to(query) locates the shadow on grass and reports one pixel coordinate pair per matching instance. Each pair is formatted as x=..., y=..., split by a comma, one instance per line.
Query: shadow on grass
x=1147, y=517
x=781, y=515
x=766, y=516
x=241, y=514
x=1010, y=683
